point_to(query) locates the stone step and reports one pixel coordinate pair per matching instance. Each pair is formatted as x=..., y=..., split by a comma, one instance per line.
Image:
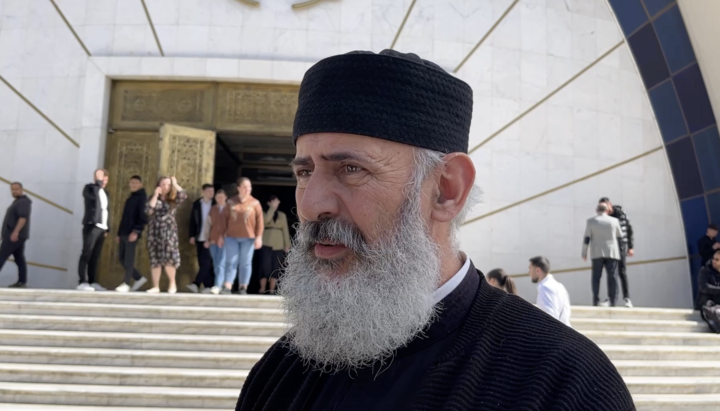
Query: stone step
x=695, y=402
x=593, y=324
x=660, y=352
x=136, y=325
x=639, y=368
x=142, y=311
x=136, y=341
x=140, y=298
x=673, y=385
x=668, y=314
x=652, y=338
x=127, y=358
x=48, y=407
x=122, y=376
x=126, y=396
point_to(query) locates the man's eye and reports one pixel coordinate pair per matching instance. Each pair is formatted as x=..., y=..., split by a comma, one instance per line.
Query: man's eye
x=351, y=169
x=303, y=173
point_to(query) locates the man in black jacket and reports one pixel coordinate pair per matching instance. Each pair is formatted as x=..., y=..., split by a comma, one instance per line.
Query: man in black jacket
x=15, y=232
x=709, y=282
x=96, y=226
x=707, y=245
x=626, y=248
x=131, y=227
x=386, y=311
x=198, y=235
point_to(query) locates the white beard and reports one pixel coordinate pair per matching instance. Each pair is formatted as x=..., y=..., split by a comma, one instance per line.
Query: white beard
x=384, y=299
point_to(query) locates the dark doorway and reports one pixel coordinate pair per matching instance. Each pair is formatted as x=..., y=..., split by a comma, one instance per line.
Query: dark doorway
x=265, y=160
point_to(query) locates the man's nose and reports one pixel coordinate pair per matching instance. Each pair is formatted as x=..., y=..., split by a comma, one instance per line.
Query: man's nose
x=318, y=199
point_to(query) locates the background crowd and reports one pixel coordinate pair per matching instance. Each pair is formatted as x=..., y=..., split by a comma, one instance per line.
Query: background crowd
x=227, y=232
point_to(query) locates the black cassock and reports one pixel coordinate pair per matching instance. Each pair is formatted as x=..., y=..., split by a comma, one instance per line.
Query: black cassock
x=394, y=386
x=487, y=351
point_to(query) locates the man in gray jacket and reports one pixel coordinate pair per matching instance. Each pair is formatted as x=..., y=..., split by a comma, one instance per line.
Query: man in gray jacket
x=603, y=236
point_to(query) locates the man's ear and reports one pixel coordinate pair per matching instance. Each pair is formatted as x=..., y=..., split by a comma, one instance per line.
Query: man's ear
x=454, y=185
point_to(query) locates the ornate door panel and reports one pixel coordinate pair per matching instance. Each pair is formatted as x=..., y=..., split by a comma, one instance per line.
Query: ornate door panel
x=127, y=154
x=142, y=105
x=189, y=155
x=257, y=108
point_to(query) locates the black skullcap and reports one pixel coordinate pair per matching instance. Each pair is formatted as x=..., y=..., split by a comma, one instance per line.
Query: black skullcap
x=393, y=96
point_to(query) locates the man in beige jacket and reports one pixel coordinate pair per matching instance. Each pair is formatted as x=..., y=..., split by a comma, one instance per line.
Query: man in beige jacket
x=603, y=236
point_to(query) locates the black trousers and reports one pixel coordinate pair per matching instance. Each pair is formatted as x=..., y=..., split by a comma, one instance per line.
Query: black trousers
x=205, y=274
x=17, y=250
x=597, y=267
x=127, y=259
x=270, y=262
x=93, y=239
x=622, y=272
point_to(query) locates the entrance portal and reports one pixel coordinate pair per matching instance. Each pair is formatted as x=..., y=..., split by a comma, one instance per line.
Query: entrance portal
x=165, y=129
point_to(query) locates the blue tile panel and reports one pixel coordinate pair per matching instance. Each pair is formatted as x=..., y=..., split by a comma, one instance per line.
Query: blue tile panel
x=674, y=39
x=684, y=168
x=648, y=56
x=707, y=149
x=657, y=36
x=695, y=217
x=655, y=6
x=694, y=98
x=668, y=112
x=713, y=203
x=630, y=14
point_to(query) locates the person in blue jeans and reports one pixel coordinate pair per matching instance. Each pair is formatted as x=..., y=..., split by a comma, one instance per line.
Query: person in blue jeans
x=244, y=221
x=215, y=235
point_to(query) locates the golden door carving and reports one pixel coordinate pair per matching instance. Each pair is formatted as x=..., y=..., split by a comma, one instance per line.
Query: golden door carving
x=257, y=108
x=127, y=154
x=189, y=155
x=141, y=105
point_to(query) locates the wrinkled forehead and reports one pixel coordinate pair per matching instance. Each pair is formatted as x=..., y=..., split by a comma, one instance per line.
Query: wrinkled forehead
x=336, y=147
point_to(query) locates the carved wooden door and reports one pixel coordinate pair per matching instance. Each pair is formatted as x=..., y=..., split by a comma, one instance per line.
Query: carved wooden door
x=188, y=154
x=128, y=153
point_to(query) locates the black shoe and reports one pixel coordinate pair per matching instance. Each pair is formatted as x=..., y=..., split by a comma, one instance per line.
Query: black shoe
x=242, y=291
x=18, y=285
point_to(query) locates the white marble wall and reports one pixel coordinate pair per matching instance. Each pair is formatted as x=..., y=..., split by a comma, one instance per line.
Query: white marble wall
x=44, y=62
x=600, y=119
x=111, y=27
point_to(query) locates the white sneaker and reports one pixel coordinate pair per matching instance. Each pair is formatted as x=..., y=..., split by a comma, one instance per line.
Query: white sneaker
x=628, y=303
x=605, y=303
x=98, y=287
x=215, y=290
x=172, y=290
x=193, y=288
x=85, y=287
x=122, y=288
x=206, y=291
x=154, y=290
x=138, y=284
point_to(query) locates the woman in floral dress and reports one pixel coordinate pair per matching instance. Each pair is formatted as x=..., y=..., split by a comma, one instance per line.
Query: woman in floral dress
x=162, y=240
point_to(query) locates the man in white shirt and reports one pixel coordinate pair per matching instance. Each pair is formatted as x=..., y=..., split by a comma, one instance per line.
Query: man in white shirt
x=552, y=296
x=96, y=225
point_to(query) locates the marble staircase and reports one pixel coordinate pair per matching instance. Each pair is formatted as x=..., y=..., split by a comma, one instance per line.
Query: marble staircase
x=75, y=351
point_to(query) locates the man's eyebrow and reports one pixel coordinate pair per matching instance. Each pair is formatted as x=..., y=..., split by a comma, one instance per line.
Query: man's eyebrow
x=343, y=156
x=301, y=162
x=334, y=157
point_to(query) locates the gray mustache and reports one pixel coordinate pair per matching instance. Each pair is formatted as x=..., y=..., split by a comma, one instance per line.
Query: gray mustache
x=329, y=230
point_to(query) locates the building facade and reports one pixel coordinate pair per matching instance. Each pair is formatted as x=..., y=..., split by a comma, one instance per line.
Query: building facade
x=574, y=100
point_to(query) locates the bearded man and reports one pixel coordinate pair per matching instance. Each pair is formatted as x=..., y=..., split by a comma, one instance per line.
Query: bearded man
x=386, y=312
